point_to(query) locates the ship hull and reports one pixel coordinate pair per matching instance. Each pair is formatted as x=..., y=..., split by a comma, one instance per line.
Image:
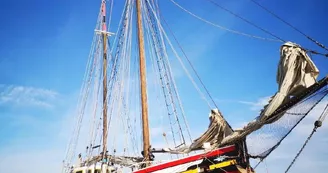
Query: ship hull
x=206, y=163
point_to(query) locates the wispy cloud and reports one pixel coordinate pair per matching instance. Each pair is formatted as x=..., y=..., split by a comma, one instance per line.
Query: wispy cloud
x=257, y=105
x=27, y=96
x=283, y=155
x=41, y=137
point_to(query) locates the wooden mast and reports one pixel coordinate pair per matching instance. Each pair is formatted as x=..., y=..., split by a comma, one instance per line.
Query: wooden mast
x=104, y=36
x=143, y=85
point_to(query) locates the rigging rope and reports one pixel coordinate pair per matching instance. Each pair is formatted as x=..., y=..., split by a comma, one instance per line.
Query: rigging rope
x=188, y=60
x=284, y=21
x=164, y=87
x=289, y=123
x=70, y=152
x=152, y=54
x=245, y=20
x=193, y=68
x=169, y=88
x=164, y=67
x=110, y=13
x=266, y=166
x=298, y=154
x=278, y=39
x=96, y=94
x=133, y=137
x=317, y=124
x=222, y=27
x=122, y=72
x=180, y=60
x=266, y=31
x=317, y=53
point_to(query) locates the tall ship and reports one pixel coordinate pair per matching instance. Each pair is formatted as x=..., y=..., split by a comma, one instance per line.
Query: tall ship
x=131, y=116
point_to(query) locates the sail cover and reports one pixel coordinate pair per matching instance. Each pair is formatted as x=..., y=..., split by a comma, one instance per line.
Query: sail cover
x=216, y=132
x=296, y=72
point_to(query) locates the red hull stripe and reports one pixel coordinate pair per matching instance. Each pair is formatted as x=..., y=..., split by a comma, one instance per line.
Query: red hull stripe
x=188, y=159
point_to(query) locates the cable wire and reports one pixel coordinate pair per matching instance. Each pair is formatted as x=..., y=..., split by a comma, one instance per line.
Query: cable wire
x=247, y=21
x=180, y=60
x=222, y=27
x=266, y=31
x=290, y=25
x=193, y=68
x=301, y=150
x=317, y=124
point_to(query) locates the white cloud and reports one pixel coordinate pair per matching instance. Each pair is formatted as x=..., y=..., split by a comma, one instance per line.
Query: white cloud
x=259, y=104
x=49, y=157
x=314, y=154
x=38, y=145
x=311, y=159
x=27, y=96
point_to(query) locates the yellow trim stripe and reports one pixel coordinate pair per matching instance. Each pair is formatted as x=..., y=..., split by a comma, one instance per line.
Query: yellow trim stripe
x=223, y=164
x=214, y=166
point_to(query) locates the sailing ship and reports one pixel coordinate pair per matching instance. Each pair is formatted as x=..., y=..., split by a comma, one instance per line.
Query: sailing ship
x=113, y=80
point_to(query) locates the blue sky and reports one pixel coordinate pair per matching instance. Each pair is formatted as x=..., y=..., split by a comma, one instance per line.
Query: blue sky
x=44, y=50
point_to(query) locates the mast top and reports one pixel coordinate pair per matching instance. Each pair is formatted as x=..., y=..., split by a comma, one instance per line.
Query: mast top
x=103, y=13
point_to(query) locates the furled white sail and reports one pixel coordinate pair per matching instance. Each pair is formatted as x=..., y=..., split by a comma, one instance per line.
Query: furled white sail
x=296, y=72
x=216, y=132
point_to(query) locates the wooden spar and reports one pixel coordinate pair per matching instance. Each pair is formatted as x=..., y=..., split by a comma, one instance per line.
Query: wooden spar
x=143, y=85
x=104, y=35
